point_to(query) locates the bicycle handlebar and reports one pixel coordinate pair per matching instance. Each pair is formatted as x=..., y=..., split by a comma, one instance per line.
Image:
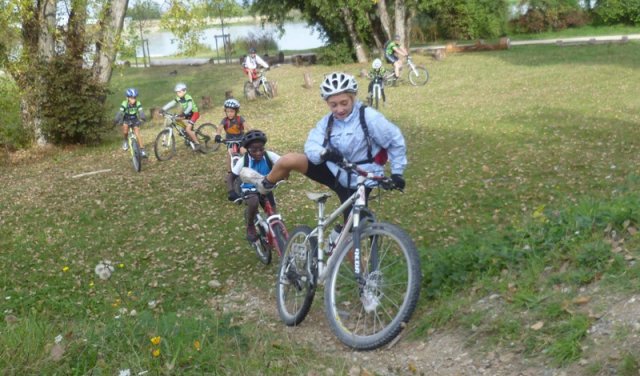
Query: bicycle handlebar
x=384, y=181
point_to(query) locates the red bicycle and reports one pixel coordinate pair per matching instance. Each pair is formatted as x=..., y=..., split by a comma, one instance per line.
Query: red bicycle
x=272, y=233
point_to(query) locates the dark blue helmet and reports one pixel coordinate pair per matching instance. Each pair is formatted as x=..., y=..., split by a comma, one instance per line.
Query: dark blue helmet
x=131, y=92
x=252, y=50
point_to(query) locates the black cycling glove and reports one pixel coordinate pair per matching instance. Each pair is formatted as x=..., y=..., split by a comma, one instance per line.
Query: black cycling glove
x=398, y=180
x=331, y=155
x=218, y=139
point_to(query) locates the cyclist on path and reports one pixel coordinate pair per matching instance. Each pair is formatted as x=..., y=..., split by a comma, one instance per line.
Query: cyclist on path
x=340, y=134
x=250, y=65
x=131, y=114
x=234, y=127
x=189, y=111
x=394, y=52
x=261, y=162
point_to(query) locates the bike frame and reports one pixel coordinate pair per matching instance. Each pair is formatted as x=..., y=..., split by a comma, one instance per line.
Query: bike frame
x=359, y=201
x=268, y=223
x=233, y=148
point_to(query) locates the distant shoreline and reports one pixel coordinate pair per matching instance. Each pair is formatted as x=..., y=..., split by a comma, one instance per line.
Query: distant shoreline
x=152, y=26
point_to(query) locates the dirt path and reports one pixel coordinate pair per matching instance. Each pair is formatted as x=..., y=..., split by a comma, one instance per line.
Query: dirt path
x=447, y=352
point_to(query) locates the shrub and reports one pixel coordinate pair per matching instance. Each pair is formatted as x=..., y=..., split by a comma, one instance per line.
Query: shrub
x=71, y=104
x=463, y=19
x=263, y=42
x=339, y=53
x=12, y=134
x=612, y=12
x=545, y=15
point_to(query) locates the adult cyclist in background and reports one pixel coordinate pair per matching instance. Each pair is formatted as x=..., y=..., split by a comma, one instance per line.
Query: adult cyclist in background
x=131, y=115
x=338, y=135
x=250, y=66
x=189, y=111
x=394, y=52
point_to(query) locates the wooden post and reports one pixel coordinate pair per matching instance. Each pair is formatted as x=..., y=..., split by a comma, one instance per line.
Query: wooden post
x=228, y=94
x=308, y=82
x=206, y=102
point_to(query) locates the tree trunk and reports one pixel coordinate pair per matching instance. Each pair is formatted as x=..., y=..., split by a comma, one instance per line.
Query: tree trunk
x=361, y=56
x=110, y=27
x=384, y=19
x=400, y=16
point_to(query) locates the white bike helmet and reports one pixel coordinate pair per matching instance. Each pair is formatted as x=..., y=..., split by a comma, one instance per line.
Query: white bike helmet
x=336, y=83
x=377, y=64
x=180, y=87
x=232, y=103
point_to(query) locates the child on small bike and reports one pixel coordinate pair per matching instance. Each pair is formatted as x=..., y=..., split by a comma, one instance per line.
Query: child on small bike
x=377, y=72
x=394, y=52
x=189, y=112
x=131, y=115
x=261, y=161
x=250, y=66
x=234, y=127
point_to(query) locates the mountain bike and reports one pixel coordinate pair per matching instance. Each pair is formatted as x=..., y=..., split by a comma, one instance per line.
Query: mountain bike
x=134, y=149
x=418, y=75
x=263, y=88
x=272, y=232
x=371, y=274
x=377, y=92
x=165, y=145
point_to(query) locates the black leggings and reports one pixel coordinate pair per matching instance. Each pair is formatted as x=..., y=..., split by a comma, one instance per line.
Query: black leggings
x=321, y=174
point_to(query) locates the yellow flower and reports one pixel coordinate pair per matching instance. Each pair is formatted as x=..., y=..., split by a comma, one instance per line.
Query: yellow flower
x=91, y=284
x=155, y=340
x=116, y=303
x=121, y=265
x=65, y=269
x=155, y=353
x=196, y=344
x=129, y=293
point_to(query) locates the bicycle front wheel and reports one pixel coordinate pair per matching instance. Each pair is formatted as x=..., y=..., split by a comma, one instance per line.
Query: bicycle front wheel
x=280, y=234
x=206, y=134
x=418, y=76
x=268, y=90
x=165, y=146
x=136, y=155
x=368, y=312
x=294, y=287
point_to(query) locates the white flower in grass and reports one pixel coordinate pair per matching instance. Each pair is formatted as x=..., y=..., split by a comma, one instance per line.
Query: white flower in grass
x=124, y=372
x=58, y=338
x=104, y=269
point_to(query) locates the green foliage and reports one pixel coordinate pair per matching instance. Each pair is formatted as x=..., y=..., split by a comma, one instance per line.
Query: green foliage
x=12, y=134
x=144, y=10
x=264, y=42
x=550, y=15
x=629, y=366
x=334, y=54
x=462, y=19
x=611, y=12
x=71, y=103
x=567, y=346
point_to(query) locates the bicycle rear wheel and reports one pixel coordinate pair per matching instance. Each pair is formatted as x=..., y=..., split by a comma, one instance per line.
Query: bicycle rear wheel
x=368, y=312
x=418, y=76
x=136, y=155
x=294, y=288
x=206, y=134
x=165, y=146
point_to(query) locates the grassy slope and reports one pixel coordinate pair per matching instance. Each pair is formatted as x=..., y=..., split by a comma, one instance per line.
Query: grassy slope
x=502, y=146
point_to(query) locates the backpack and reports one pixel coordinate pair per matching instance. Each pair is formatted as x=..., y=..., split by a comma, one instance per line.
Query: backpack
x=266, y=157
x=381, y=158
x=227, y=124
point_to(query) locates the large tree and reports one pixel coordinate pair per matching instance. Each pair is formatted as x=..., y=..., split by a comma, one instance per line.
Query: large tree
x=49, y=35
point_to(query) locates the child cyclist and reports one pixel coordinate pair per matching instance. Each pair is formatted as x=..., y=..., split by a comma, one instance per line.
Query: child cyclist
x=250, y=65
x=234, y=127
x=189, y=111
x=131, y=115
x=394, y=51
x=260, y=161
x=377, y=72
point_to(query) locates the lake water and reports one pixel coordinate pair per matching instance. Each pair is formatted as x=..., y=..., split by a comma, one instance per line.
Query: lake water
x=297, y=36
